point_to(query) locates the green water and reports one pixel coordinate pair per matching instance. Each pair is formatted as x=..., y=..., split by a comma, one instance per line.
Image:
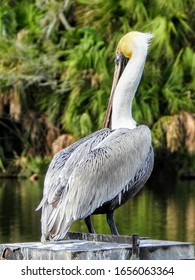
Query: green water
x=162, y=210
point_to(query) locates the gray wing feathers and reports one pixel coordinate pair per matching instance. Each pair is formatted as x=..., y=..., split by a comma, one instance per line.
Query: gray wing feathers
x=102, y=174
x=56, y=180
x=63, y=163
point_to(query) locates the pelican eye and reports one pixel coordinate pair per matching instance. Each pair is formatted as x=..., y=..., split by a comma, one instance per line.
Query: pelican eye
x=117, y=59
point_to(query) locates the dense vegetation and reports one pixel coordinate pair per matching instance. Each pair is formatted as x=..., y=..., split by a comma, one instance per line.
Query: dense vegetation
x=57, y=62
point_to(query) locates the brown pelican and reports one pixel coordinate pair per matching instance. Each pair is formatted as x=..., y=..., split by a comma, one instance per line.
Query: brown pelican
x=101, y=171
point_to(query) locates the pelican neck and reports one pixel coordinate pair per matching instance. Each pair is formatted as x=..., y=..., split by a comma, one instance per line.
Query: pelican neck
x=125, y=91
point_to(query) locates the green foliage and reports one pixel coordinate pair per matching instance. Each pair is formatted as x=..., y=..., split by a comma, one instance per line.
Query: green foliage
x=87, y=78
x=29, y=165
x=178, y=93
x=7, y=19
x=57, y=59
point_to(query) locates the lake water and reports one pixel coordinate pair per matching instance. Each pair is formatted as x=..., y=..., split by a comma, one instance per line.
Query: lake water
x=162, y=210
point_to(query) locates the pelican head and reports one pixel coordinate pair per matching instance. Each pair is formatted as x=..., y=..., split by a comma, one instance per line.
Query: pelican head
x=128, y=43
x=128, y=47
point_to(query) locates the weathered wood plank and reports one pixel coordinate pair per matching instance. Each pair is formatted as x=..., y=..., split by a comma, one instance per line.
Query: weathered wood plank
x=85, y=246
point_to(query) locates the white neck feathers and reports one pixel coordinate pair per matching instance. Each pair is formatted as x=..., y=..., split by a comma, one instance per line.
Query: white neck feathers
x=127, y=87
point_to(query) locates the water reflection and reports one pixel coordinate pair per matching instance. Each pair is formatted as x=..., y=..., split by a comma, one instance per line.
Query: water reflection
x=160, y=211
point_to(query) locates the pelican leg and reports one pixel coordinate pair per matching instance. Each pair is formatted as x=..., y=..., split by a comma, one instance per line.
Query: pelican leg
x=89, y=224
x=111, y=223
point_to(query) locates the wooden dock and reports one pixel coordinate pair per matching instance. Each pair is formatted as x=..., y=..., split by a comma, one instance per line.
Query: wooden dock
x=83, y=246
